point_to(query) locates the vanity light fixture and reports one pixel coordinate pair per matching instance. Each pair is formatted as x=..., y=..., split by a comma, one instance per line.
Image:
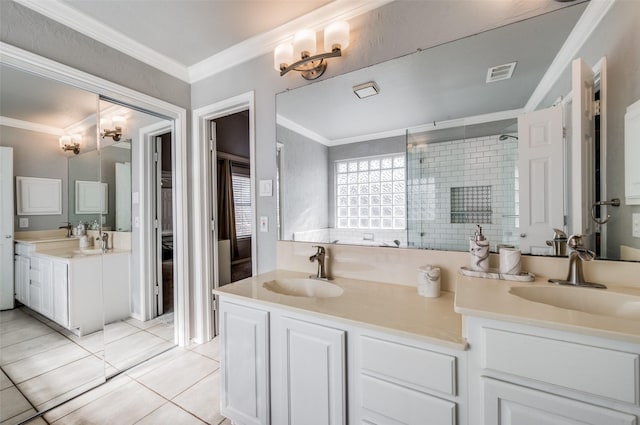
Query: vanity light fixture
x=311, y=65
x=117, y=122
x=366, y=89
x=70, y=143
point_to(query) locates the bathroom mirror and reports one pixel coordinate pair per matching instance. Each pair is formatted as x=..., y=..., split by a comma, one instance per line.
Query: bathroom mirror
x=429, y=104
x=121, y=324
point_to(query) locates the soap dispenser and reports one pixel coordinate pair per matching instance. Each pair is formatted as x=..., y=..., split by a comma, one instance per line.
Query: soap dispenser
x=479, y=251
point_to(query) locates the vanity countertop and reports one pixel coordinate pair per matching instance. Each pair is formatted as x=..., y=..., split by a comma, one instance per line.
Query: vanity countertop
x=381, y=306
x=492, y=299
x=73, y=253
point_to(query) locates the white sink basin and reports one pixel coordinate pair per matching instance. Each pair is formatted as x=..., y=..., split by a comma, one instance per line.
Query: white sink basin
x=594, y=301
x=303, y=287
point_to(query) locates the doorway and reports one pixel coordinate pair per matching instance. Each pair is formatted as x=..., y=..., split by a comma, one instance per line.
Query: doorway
x=232, y=200
x=164, y=225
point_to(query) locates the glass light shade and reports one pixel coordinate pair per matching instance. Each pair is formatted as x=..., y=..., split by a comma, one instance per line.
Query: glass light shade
x=336, y=34
x=304, y=42
x=283, y=55
x=64, y=140
x=117, y=121
x=77, y=138
x=104, y=124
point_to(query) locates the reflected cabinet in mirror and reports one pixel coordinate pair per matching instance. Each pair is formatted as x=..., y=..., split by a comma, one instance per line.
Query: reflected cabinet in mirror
x=90, y=299
x=481, y=131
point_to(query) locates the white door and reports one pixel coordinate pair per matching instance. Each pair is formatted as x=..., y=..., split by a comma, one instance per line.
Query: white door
x=541, y=178
x=6, y=228
x=582, y=150
x=310, y=373
x=244, y=364
x=508, y=404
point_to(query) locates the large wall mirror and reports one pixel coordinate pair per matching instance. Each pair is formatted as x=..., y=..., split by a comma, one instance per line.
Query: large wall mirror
x=430, y=148
x=102, y=300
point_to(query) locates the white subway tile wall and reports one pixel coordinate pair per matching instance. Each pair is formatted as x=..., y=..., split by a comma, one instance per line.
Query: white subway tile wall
x=433, y=169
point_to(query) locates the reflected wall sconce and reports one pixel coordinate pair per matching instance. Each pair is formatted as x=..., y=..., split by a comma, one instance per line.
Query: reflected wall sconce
x=311, y=65
x=70, y=143
x=117, y=122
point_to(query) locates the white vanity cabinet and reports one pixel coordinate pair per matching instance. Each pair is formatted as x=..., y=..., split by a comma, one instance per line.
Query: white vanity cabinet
x=244, y=355
x=22, y=263
x=525, y=375
x=286, y=367
x=308, y=371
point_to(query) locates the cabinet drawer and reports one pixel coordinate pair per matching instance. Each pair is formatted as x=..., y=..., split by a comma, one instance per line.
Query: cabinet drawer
x=24, y=249
x=507, y=404
x=408, y=364
x=598, y=371
x=385, y=403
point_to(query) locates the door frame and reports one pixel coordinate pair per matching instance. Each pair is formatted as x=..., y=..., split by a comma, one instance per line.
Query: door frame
x=146, y=209
x=205, y=248
x=31, y=62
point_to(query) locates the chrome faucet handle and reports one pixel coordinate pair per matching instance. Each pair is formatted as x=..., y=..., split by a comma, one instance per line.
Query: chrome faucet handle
x=575, y=242
x=321, y=249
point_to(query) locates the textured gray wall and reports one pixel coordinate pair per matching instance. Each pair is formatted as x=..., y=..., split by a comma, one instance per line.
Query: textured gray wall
x=38, y=155
x=617, y=37
x=304, y=183
x=385, y=146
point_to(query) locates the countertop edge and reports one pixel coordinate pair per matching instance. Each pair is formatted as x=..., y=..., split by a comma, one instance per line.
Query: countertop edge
x=462, y=345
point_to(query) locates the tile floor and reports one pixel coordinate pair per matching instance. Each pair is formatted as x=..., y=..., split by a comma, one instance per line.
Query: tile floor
x=178, y=386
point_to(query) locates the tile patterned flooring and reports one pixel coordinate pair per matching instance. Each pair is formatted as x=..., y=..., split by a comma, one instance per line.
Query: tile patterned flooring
x=178, y=386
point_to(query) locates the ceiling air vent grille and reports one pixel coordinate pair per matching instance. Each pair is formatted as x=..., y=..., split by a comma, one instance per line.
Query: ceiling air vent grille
x=500, y=72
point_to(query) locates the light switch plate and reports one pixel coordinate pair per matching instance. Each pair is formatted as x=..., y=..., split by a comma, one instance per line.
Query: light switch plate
x=264, y=224
x=24, y=222
x=266, y=188
x=635, y=225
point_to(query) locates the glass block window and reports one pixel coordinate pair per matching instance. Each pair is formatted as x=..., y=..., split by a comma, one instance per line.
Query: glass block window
x=241, y=185
x=371, y=193
x=471, y=204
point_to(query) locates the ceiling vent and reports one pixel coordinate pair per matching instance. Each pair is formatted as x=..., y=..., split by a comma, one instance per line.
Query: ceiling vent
x=500, y=72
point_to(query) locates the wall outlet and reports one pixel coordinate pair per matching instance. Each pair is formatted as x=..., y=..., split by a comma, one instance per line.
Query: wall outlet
x=24, y=222
x=264, y=224
x=635, y=225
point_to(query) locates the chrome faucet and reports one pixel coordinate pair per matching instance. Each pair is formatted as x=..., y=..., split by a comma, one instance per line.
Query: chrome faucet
x=559, y=243
x=105, y=242
x=319, y=256
x=68, y=227
x=577, y=255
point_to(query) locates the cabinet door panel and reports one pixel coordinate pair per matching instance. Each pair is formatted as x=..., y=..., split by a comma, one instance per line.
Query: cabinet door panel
x=244, y=357
x=509, y=404
x=314, y=382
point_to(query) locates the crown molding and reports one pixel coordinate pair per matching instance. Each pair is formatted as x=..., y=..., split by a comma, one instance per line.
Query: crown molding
x=266, y=42
x=235, y=55
x=105, y=34
x=304, y=131
x=440, y=125
x=593, y=14
x=31, y=126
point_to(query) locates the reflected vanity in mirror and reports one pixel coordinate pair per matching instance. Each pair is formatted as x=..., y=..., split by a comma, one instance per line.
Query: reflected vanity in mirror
x=436, y=148
x=85, y=306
